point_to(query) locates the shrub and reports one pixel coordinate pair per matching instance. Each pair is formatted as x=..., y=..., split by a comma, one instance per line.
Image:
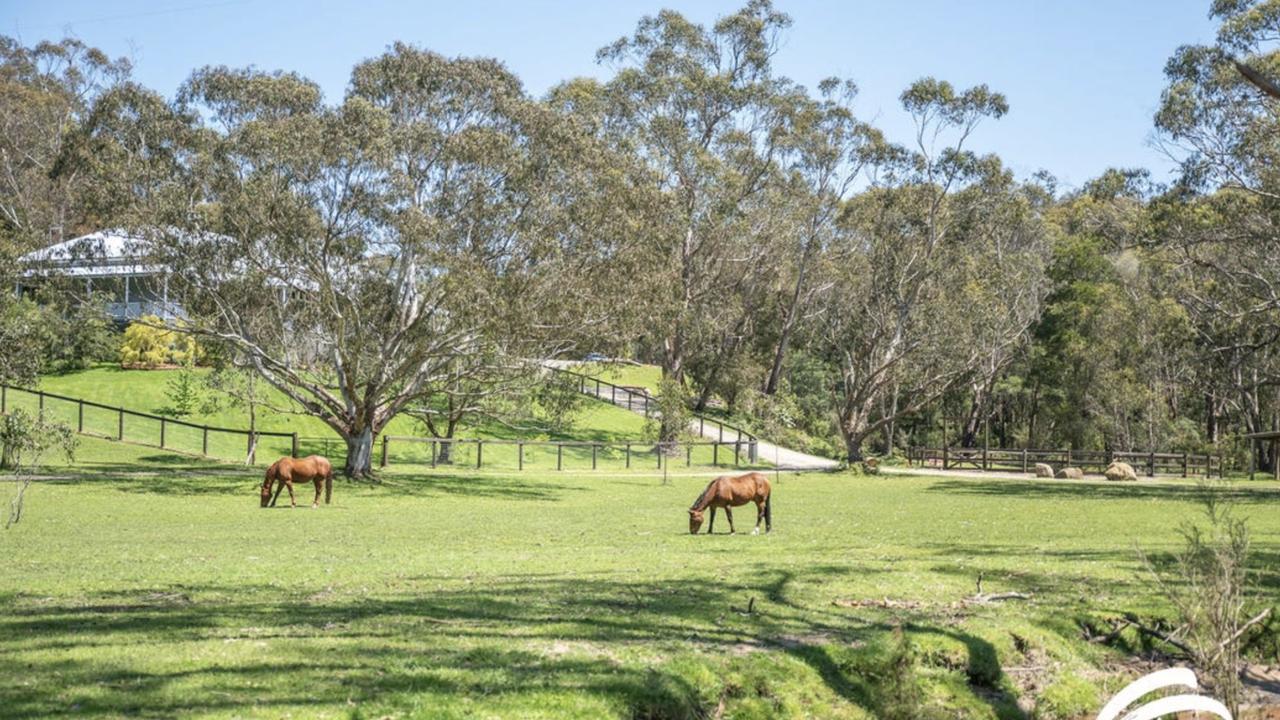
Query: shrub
x=149, y=343
x=24, y=440
x=183, y=388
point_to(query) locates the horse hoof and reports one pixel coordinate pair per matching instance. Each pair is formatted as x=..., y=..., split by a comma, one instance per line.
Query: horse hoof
x=756, y=531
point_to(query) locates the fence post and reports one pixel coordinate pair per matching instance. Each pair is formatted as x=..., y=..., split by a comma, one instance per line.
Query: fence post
x=433, y=451
x=293, y=445
x=597, y=387
x=628, y=456
x=162, y=426
x=1184, y=464
x=715, y=454
x=702, y=425
x=80, y=416
x=1024, y=459
x=646, y=406
x=721, y=430
x=737, y=447
x=1151, y=464
x=688, y=455
x=41, y=394
x=559, y=456
x=593, y=456
x=204, y=440
x=945, y=454
x=658, y=448
x=120, y=426
x=520, y=455
x=613, y=394
x=985, y=467
x=383, y=461
x=479, y=453
x=753, y=451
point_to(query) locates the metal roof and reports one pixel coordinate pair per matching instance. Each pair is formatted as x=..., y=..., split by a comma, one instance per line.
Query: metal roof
x=104, y=253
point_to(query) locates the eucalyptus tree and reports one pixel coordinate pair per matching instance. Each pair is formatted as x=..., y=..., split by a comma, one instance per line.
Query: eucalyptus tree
x=911, y=263
x=1220, y=227
x=696, y=105
x=46, y=93
x=360, y=256
x=824, y=151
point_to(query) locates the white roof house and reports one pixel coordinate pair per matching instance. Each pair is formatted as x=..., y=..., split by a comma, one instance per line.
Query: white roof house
x=114, y=269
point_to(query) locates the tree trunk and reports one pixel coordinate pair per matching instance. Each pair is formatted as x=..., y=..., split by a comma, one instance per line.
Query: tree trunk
x=359, y=454
x=788, y=322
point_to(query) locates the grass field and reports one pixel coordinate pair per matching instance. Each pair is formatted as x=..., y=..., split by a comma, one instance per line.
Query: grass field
x=143, y=584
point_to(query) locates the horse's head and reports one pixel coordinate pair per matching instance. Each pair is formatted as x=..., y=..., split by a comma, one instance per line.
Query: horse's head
x=266, y=493
x=695, y=521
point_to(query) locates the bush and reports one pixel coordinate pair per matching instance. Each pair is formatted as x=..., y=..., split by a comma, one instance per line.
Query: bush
x=24, y=440
x=149, y=343
x=183, y=389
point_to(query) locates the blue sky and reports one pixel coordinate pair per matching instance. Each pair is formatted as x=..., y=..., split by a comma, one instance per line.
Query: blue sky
x=1083, y=77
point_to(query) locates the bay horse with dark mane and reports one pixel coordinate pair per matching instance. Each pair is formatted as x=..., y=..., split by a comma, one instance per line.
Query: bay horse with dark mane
x=286, y=470
x=731, y=491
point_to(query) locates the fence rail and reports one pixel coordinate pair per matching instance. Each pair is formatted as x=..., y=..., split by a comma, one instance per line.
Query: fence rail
x=638, y=399
x=116, y=423
x=1024, y=460
x=563, y=454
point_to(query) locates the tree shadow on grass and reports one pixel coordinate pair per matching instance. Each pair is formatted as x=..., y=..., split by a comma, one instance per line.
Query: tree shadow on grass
x=1035, y=490
x=515, y=637
x=231, y=480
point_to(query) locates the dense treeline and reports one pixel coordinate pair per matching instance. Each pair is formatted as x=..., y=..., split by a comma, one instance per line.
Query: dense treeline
x=410, y=245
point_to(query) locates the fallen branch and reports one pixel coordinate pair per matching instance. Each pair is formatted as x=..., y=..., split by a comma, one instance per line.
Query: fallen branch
x=983, y=599
x=1167, y=638
x=1109, y=637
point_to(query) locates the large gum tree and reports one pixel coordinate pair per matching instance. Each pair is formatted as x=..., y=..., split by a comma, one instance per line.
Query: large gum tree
x=360, y=256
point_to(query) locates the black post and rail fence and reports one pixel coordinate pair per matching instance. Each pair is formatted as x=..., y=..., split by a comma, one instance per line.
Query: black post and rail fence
x=96, y=419
x=638, y=399
x=112, y=422
x=479, y=453
x=1090, y=461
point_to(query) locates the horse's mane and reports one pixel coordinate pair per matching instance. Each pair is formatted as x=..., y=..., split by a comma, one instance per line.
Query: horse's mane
x=704, y=494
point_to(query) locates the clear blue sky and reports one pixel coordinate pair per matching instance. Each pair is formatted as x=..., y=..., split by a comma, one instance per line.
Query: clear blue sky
x=1083, y=77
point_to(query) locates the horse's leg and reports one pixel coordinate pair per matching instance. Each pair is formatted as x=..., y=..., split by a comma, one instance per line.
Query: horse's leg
x=279, y=487
x=712, y=525
x=319, y=481
x=759, y=517
x=293, y=501
x=729, y=514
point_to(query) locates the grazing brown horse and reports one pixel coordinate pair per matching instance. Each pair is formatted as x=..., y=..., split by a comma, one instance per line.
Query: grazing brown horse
x=726, y=492
x=287, y=469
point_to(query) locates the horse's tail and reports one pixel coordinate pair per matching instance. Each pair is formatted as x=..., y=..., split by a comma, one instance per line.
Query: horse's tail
x=768, y=509
x=328, y=484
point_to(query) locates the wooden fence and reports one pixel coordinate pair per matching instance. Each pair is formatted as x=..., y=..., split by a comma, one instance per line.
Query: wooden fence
x=1150, y=463
x=573, y=454
x=116, y=423
x=638, y=399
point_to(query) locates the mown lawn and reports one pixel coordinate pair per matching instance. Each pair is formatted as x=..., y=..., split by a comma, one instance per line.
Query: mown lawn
x=142, y=584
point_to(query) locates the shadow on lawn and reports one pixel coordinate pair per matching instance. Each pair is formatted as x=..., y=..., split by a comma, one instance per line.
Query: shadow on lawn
x=230, y=480
x=1033, y=490
x=516, y=639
